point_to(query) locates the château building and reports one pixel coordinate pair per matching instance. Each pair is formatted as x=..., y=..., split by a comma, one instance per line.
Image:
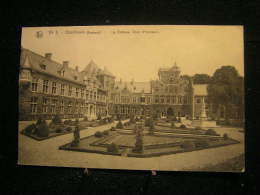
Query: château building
x=47, y=88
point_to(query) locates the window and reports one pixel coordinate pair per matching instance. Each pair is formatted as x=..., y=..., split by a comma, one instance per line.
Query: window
x=76, y=107
x=45, y=86
x=82, y=93
x=62, y=106
x=43, y=66
x=162, y=99
x=70, y=91
x=69, y=107
x=148, y=100
x=54, y=88
x=45, y=105
x=185, y=99
x=87, y=95
x=179, y=99
x=62, y=73
x=134, y=99
x=75, y=77
x=142, y=99
x=77, y=92
x=53, y=105
x=82, y=108
x=34, y=104
x=174, y=100
x=62, y=89
x=34, y=84
x=95, y=95
x=91, y=94
x=156, y=99
x=198, y=100
x=168, y=99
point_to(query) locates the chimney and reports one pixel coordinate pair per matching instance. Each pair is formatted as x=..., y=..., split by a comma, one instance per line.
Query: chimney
x=48, y=56
x=77, y=68
x=65, y=64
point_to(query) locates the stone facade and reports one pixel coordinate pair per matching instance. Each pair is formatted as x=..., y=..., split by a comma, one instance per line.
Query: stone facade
x=47, y=88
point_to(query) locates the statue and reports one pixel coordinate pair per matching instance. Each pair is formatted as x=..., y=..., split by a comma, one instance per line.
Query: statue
x=76, y=134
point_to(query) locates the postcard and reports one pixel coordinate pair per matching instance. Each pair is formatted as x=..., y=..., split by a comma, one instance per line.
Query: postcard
x=140, y=97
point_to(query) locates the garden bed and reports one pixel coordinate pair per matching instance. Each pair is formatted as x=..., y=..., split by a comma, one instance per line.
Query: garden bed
x=154, y=145
x=51, y=135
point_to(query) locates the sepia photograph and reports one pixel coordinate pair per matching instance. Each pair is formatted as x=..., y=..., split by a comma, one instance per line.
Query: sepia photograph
x=137, y=97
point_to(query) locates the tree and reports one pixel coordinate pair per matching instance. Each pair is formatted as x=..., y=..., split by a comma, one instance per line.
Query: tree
x=226, y=91
x=201, y=79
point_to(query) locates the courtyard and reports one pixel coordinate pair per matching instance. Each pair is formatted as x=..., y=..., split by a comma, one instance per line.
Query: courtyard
x=47, y=152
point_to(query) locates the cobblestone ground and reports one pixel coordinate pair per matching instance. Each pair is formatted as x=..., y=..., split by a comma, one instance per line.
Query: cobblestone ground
x=46, y=153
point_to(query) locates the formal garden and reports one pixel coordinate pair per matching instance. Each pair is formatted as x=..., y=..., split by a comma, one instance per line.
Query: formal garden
x=41, y=130
x=148, y=137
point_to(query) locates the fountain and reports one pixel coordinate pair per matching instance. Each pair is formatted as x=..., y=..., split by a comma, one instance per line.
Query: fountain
x=203, y=119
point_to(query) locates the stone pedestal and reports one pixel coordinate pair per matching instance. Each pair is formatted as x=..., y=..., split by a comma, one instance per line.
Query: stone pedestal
x=203, y=121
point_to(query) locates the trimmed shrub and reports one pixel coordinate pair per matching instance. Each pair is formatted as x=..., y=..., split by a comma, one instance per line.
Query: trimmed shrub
x=188, y=145
x=113, y=129
x=56, y=119
x=225, y=136
x=30, y=129
x=43, y=129
x=201, y=143
x=106, y=132
x=112, y=148
x=183, y=126
x=39, y=121
x=172, y=124
x=198, y=128
x=58, y=130
x=52, y=125
x=211, y=132
x=67, y=122
x=68, y=129
x=98, y=134
x=119, y=125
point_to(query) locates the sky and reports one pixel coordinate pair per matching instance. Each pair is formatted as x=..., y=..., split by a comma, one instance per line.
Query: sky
x=137, y=52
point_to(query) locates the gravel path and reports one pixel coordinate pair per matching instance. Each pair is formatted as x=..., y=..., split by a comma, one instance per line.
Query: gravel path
x=46, y=153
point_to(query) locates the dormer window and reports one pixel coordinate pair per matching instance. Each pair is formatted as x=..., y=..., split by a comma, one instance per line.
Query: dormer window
x=75, y=78
x=62, y=73
x=43, y=66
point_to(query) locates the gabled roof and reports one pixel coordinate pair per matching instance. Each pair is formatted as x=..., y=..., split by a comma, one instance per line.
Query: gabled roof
x=200, y=89
x=106, y=72
x=35, y=61
x=92, y=69
x=134, y=87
